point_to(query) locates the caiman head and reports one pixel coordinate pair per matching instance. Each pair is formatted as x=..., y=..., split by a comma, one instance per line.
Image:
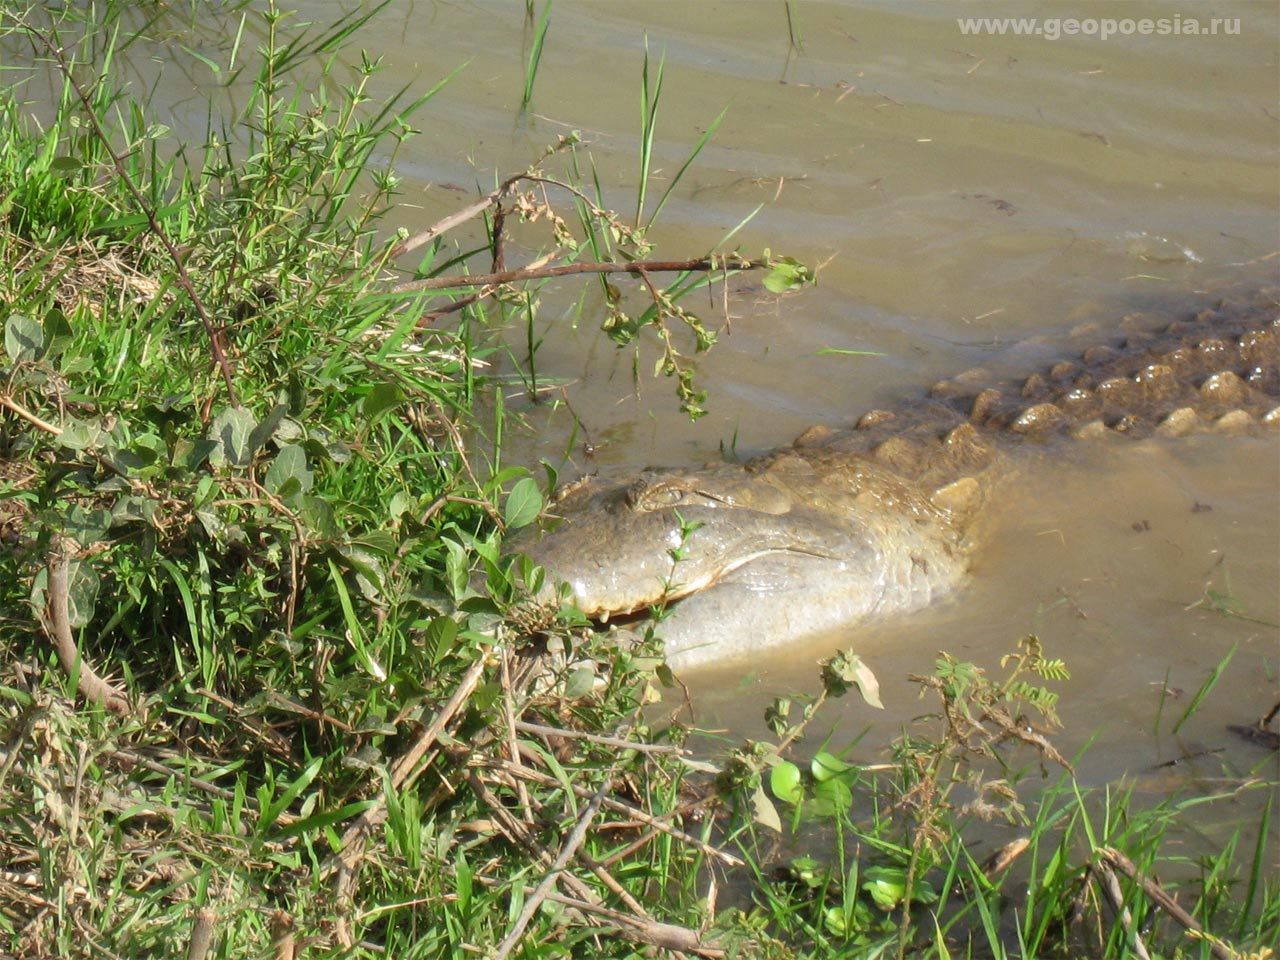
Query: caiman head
x=624, y=546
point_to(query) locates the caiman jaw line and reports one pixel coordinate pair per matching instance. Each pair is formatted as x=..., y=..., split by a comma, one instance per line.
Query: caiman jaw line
x=684, y=588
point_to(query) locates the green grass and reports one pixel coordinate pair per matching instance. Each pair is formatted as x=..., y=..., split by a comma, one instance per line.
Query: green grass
x=268, y=683
x=900, y=866
x=534, y=57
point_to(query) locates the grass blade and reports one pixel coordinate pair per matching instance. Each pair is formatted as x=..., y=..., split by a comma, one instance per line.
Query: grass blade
x=650, y=96
x=535, y=54
x=1205, y=688
x=702, y=142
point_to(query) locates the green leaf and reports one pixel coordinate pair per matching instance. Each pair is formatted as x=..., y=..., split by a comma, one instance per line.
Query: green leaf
x=580, y=683
x=271, y=812
x=787, y=274
x=79, y=435
x=846, y=669
x=777, y=713
x=457, y=569
x=524, y=503
x=66, y=165
x=23, y=338
x=134, y=509
x=82, y=593
x=264, y=431
x=379, y=541
x=887, y=886
x=86, y=526
x=143, y=451
x=486, y=695
x=442, y=636
x=57, y=333
x=190, y=454
x=317, y=514
x=808, y=871
x=368, y=568
x=231, y=430
x=321, y=820
x=288, y=473
x=401, y=504
x=824, y=766
x=833, y=797
x=785, y=782
x=383, y=397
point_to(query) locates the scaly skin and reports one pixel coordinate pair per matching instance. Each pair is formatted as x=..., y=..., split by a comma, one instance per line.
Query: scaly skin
x=845, y=525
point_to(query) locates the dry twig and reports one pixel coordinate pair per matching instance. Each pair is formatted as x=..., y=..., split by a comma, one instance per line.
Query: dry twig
x=1161, y=898
x=201, y=933
x=567, y=850
x=637, y=267
x=619, y=807
x=1111, y=890
x=57, y=625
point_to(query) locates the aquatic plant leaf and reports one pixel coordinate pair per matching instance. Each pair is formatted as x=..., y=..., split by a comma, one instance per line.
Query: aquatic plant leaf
x=787, y=274
x=824, y=766
x=846, y=669
x=785, y=782
x=832, y=797
x=766, y=814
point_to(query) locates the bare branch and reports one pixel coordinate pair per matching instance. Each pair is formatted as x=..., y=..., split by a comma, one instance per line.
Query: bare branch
x=57, y=625
x=636, y=267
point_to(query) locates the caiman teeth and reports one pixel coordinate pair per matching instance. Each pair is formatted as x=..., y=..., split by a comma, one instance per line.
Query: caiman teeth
x=679, y=590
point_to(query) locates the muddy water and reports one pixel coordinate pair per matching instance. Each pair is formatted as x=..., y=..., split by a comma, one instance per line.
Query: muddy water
x=960, y=193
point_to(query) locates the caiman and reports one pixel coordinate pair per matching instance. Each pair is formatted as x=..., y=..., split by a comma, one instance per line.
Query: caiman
x=879, y=519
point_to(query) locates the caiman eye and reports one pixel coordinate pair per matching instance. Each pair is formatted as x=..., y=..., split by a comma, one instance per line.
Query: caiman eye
x=647, y=494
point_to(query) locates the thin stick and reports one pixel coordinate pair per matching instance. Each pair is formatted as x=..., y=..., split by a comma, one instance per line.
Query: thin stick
x=1164, y=901
x=1111, y=890
x=202, y=934
x=409, y=244
x=30, y=417
x=525, y=726
x=641, y=930
x=352, y=848
x=57, y=626
x=282, y=943
x=569, y=848
x=503, y=190
x=619, y=807
x=638, y=267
